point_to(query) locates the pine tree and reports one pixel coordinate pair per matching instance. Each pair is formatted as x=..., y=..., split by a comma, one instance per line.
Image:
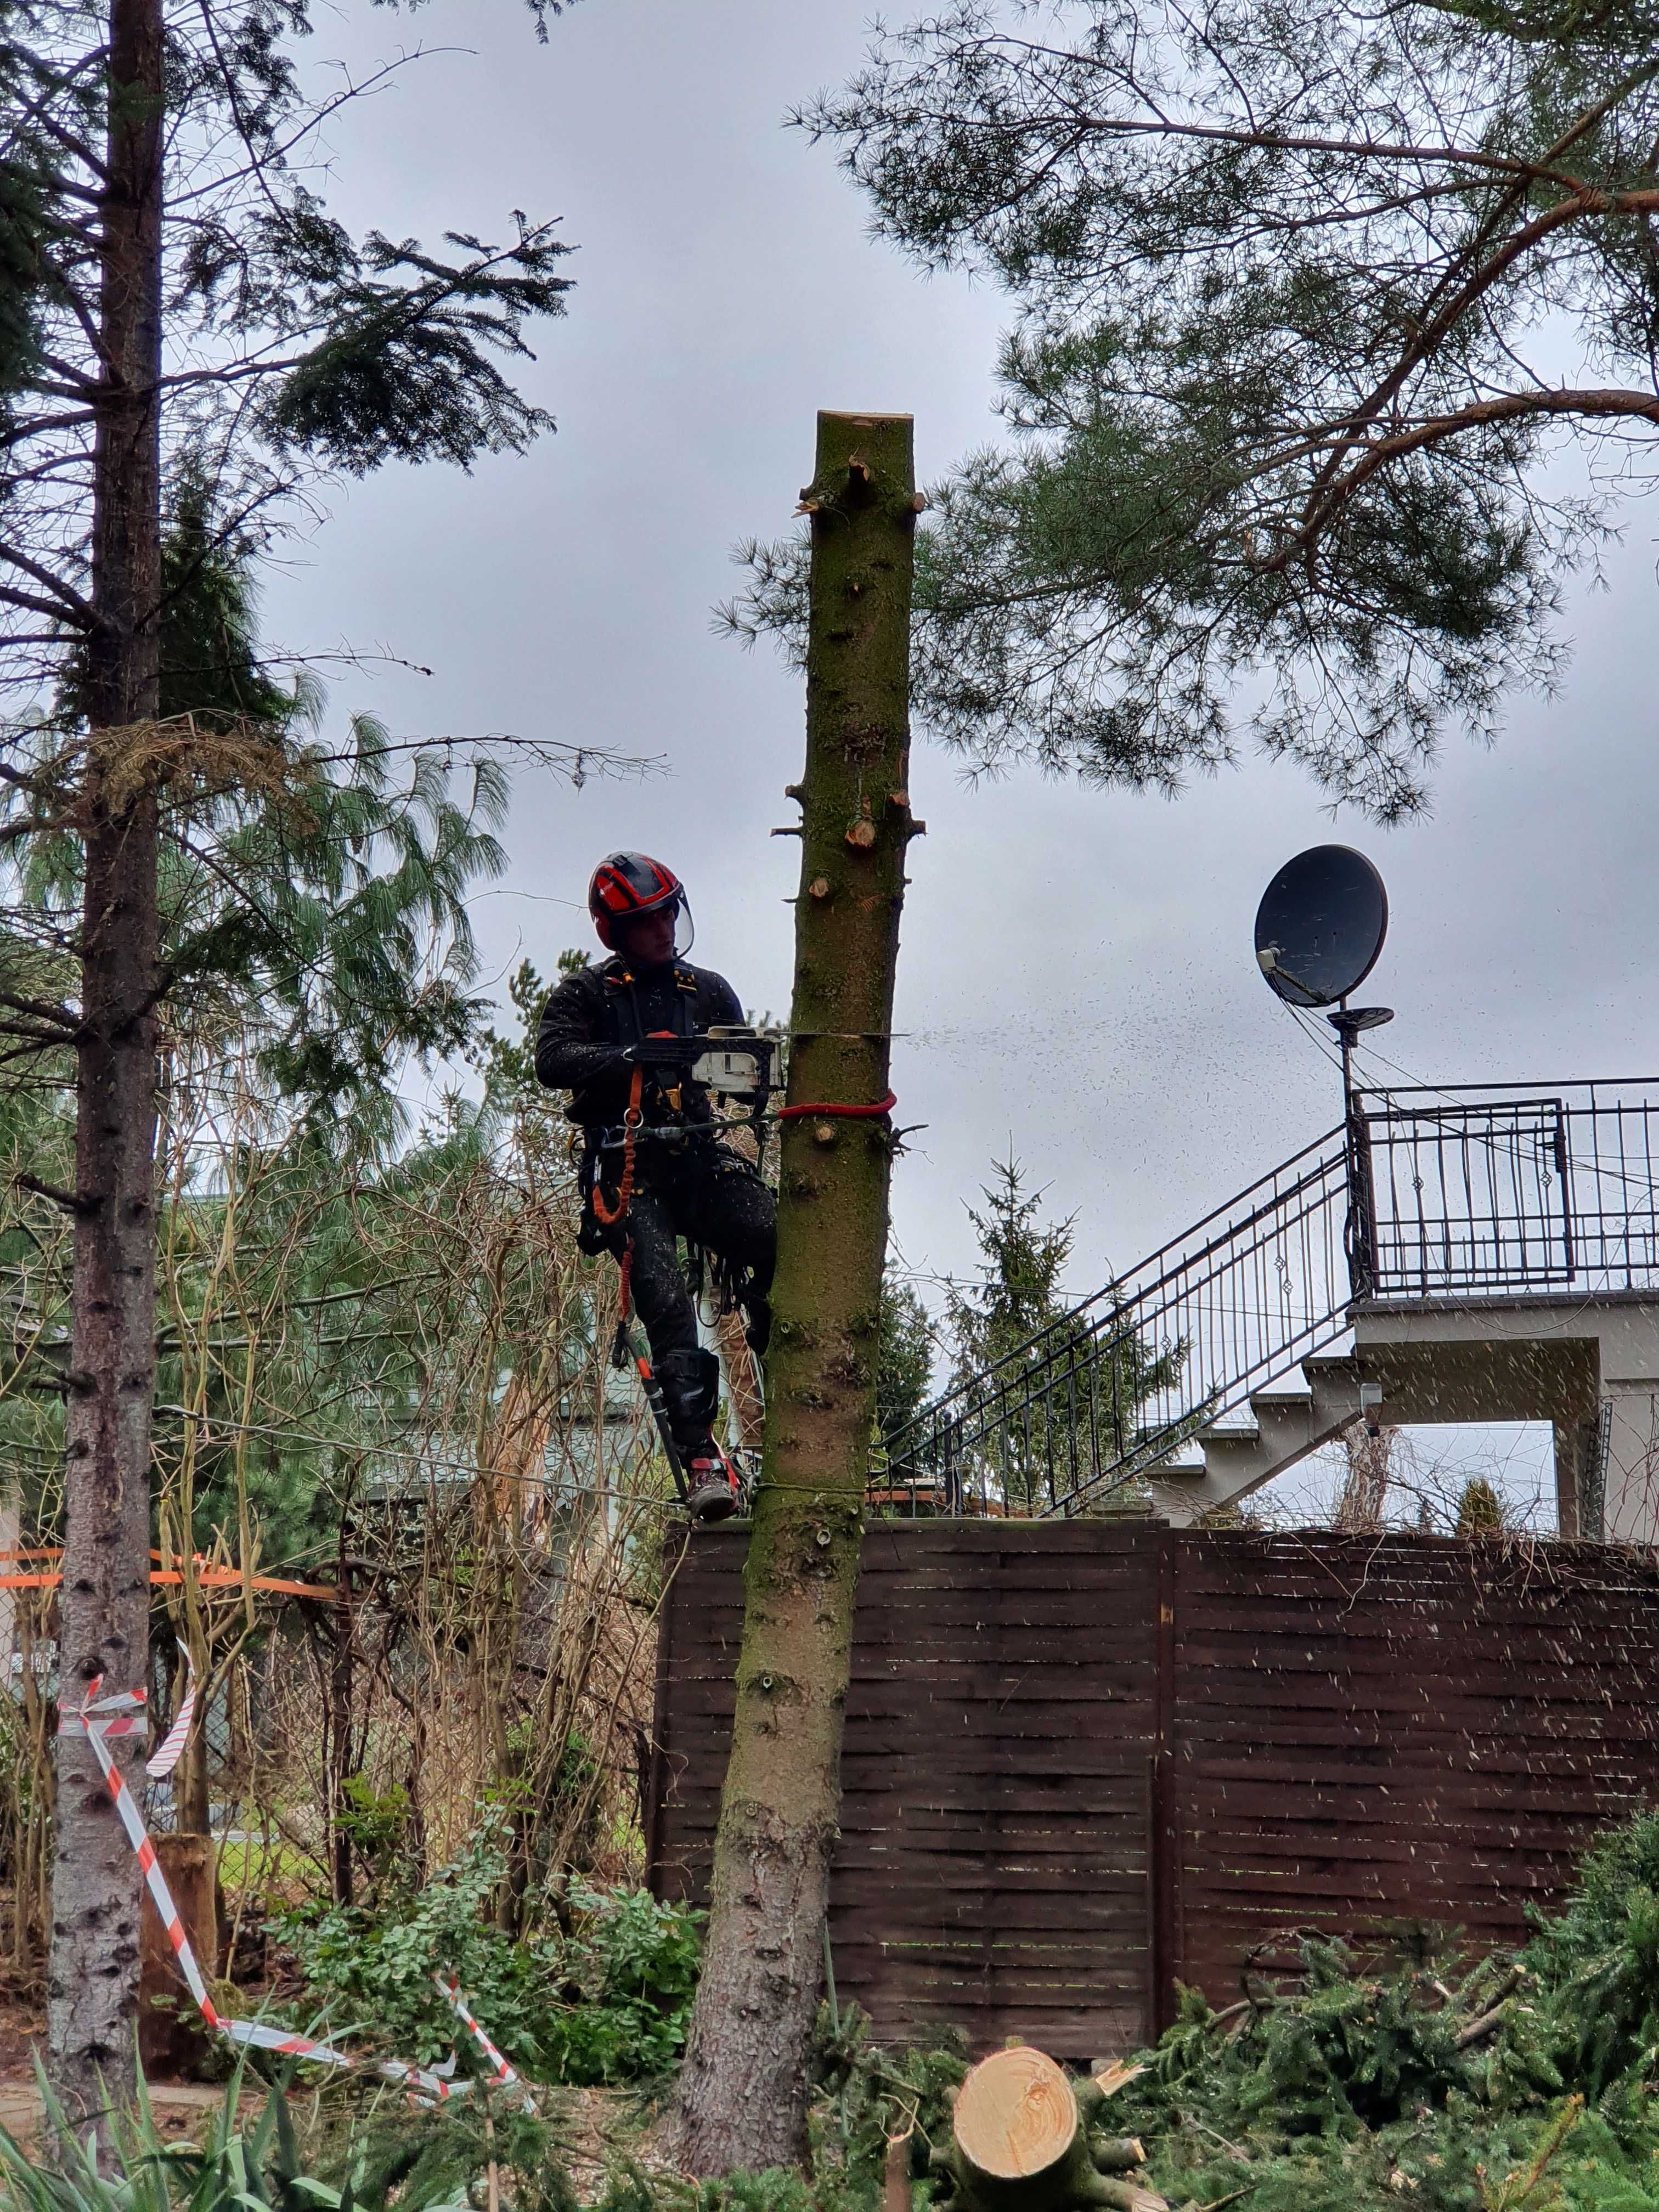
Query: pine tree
x=1308, y=300
x=744, y=2085
x=1089, y=1373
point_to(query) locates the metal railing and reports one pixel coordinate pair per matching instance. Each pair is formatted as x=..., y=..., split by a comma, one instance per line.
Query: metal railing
x=1513, y=1191
x=1116, y=1384
x=1510, y=1189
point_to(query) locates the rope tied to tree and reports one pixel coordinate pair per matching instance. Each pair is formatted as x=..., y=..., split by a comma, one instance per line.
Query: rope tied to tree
x=841, y=1113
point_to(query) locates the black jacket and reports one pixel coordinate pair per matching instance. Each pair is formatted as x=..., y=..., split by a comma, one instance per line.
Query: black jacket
x=596, y=1012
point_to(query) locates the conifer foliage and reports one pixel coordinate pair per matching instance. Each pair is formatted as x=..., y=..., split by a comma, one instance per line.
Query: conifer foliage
x=1016, y=1321
x=1491, y=2085
x=188, y=339
x=1306, y=298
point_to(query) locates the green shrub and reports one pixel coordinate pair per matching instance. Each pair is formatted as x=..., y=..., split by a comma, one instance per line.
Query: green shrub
x=632, y=1964
x=607, y=2002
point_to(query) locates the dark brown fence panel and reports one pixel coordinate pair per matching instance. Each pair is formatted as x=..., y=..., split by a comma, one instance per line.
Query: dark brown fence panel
x=1081, y=1760
x=994, y=1866
x=1369, y=1730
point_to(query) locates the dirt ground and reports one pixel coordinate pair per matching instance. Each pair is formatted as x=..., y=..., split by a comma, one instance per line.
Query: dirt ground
x=177, y=2103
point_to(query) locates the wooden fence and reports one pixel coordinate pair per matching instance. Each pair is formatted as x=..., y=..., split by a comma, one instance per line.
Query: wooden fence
x=1082, y=1761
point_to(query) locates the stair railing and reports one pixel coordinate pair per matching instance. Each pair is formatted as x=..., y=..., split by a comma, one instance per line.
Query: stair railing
x=1513, y=1191
x=1095, y=1400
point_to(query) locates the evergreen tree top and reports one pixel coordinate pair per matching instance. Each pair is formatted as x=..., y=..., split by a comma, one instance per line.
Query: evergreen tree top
x=291, y=347
x=1306, y=299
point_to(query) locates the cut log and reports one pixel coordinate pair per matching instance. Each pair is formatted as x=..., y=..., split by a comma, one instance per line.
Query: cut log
x=1016, y=2116
x=1020, y=2143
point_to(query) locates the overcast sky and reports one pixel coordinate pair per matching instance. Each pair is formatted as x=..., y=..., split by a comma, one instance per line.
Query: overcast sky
x=1075, y=973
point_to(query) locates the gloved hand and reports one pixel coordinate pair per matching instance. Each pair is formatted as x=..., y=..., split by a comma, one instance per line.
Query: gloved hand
x=663, y=1052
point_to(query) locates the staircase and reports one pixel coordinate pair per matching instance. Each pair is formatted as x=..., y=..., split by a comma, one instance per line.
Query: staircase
x=1229, y=1354
x=1131, y=1379
x=1284, y=1427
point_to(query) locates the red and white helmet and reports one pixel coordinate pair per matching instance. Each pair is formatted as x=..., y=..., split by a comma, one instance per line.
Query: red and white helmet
x=628, y=885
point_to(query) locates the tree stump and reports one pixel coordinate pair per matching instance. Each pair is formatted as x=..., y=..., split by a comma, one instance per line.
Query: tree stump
x=168, y=2042
x=1025, y=2140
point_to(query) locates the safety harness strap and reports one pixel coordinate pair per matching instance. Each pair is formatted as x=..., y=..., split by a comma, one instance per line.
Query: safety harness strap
x=631, y=1120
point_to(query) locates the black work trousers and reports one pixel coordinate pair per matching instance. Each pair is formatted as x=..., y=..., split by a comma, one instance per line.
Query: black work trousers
x=712, y=1199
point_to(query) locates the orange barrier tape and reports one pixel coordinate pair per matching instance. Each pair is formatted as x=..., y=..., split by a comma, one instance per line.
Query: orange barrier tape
x=208, y=1578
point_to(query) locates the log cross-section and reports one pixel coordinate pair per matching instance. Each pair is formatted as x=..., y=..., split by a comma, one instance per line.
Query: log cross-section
x=1023, y=2140
x=1016, y=2117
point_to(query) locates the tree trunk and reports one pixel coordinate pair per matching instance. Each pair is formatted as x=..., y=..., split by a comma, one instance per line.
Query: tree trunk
x=1023, y=2140
x=167, y=2042
x=339, y=1765
x=93, y=1980
x=1364, y=1492
x=744, y=2088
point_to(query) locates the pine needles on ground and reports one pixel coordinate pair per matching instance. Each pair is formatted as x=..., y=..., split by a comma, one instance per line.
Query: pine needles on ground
x=1505, y=2083
x=464, y=2153
x=1518, y=2084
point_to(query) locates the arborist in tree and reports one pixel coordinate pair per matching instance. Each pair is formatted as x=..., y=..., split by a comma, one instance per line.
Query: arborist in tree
x=623, y=1038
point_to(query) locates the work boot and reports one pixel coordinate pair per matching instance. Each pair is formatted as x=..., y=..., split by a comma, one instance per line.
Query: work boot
x=711, y=1483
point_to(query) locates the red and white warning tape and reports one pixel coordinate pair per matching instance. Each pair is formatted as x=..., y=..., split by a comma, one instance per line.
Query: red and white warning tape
x=504, y=2075
x=121, y=1715
x=173, y=1743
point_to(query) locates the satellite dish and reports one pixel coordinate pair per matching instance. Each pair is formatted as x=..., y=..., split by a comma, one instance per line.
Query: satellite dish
x=1320, y=925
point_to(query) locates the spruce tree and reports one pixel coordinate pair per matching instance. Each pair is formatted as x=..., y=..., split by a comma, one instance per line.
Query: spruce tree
x=185, y=334
x=1087, y=1367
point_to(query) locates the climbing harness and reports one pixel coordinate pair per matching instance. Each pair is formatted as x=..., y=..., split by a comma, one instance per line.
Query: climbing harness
x=631, y=1121
x=733, y=1068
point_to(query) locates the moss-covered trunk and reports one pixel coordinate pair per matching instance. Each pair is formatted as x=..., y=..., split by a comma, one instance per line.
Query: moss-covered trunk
x=742, y=2091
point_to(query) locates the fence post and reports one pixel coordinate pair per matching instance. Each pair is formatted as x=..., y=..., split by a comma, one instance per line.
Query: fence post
x=1164, y=1827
